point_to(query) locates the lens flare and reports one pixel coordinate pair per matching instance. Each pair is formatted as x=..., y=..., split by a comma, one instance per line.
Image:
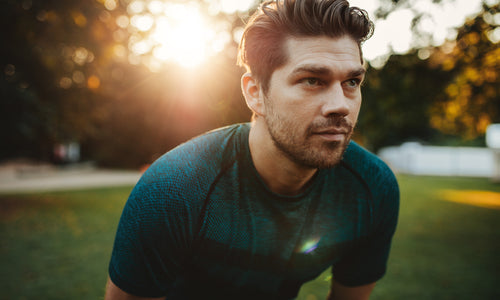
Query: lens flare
x=309, y=246
x=173, y=32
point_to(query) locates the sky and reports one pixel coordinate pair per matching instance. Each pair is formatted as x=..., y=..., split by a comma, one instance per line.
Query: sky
x=395, y=32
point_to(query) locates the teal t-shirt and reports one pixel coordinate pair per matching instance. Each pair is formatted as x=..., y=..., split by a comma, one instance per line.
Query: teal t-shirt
x=202, y=224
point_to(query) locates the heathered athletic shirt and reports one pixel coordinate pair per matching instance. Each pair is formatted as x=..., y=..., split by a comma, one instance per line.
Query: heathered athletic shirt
x=201, y=224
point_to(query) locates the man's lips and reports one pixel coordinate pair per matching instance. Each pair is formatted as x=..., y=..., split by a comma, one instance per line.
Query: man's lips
x=331, y=131
x=332, y=134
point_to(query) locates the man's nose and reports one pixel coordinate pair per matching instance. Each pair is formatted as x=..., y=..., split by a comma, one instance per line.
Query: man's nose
x=335, y=102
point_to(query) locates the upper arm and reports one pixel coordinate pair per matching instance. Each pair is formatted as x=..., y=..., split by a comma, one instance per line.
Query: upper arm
x=342, y=292
x=151, y=240
x=365, y=261
x=115, y=293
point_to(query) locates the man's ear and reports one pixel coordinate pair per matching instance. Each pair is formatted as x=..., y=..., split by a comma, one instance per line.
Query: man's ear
x=253, y=94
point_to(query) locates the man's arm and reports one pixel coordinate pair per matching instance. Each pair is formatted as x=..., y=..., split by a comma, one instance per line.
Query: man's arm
x=115, y=293
x=341, y=292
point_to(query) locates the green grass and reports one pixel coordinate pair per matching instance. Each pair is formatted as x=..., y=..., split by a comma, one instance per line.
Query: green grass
x=441, y=249
x=57, y=245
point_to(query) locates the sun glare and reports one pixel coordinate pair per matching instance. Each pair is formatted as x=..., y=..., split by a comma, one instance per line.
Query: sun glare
x=394, y=34
x=174, y=32
x=486, y=199
x=230, y=6
x=190, y=32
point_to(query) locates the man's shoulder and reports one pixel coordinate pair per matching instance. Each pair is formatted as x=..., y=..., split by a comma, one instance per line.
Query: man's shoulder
x=360, y=158
x=176, y=185
x=368, y=167
x=197, y=161
x=211, y=147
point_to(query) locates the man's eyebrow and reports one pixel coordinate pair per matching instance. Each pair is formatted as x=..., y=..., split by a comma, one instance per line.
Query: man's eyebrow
x=318, y=70
x=359, y=72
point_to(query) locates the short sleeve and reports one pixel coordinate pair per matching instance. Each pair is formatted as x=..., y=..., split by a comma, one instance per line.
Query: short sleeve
x=367, y=261
x=161, y=219
x=151, y=240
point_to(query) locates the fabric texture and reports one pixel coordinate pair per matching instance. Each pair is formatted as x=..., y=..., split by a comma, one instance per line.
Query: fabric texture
x=201, y=222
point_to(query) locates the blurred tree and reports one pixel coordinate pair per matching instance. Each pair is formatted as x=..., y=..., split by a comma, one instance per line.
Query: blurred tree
x=448, y=94
x=50, y=74
x=158, y=111
x=396, y=100
x=66, y=76
x=149, y=112
x=471, y=100
x=69, y=73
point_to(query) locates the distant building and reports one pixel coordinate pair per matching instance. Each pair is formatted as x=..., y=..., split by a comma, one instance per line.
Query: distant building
x=414, y=158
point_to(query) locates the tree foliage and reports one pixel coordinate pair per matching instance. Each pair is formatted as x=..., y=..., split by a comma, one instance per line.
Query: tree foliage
x=396, y=100
x=451, y=96
x=471, y=99
x=66, y=76
x=51, y=66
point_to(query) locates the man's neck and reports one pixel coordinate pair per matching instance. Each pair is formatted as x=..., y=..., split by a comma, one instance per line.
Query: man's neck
x=279, y=173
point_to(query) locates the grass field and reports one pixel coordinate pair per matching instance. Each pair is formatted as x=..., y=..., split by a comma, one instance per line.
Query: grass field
x=57, y=245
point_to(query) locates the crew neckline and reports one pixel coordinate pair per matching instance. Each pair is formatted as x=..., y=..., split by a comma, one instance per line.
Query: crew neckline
x=313, y=182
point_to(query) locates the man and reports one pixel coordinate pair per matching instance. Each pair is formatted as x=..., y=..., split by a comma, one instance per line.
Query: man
x=252, y=211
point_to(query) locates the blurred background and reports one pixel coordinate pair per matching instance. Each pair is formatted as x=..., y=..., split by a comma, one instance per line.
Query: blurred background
x=120, y=82
x=93, y=91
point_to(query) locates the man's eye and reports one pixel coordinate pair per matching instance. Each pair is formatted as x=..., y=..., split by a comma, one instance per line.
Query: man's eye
x=311, y=81
x=353, y=83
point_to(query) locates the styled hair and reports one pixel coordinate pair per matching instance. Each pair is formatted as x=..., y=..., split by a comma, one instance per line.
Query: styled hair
x=261, y=50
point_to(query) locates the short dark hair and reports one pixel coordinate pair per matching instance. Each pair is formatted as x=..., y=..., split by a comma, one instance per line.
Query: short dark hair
x=261, y=50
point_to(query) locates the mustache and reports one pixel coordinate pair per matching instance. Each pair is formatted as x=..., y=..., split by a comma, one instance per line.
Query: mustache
x=333, y=122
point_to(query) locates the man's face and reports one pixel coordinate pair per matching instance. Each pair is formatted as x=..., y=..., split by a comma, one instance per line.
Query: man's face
x=313, y=101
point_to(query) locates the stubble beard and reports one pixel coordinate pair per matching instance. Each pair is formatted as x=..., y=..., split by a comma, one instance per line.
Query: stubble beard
x=309, y=151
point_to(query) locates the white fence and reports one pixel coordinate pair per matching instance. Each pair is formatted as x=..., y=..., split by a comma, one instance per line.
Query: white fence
x=414, y=158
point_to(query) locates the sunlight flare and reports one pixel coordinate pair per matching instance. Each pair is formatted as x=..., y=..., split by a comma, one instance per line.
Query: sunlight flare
x=309, y=246
x=174, y=32
x=486, y=199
